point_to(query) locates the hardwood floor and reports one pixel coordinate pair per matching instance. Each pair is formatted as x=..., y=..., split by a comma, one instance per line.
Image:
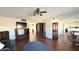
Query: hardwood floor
x=62, y=44
x=20, y=43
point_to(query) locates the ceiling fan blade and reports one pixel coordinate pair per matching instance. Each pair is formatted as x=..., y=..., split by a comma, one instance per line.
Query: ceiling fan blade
x=37, y=10
x=34, y=14
x=40, y=14
x=43, y=12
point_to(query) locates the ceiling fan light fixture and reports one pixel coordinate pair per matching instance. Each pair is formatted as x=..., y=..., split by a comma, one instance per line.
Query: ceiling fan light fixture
x=38, y=12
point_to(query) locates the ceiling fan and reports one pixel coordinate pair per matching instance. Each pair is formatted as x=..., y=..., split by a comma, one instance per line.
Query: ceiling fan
x=38, y=12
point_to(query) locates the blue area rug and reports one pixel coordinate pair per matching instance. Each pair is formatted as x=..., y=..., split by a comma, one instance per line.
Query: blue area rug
x=36, y=46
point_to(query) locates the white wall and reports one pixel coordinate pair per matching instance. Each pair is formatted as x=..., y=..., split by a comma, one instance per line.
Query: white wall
x=8, y=24
x=49, y=30
x=32, y=35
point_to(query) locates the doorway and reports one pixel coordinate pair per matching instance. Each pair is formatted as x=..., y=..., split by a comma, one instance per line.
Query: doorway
x=55, y=30
x=40, y=29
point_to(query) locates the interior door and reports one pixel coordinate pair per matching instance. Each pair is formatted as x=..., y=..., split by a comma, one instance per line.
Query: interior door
x=55, y=30
x=40, y=28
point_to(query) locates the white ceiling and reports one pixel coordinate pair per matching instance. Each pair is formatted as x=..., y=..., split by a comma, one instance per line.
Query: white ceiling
x=24, y=12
